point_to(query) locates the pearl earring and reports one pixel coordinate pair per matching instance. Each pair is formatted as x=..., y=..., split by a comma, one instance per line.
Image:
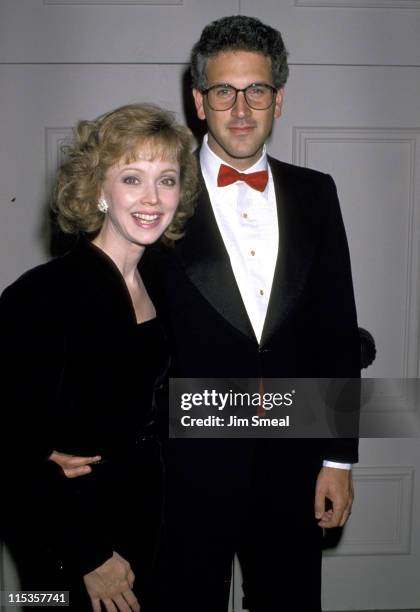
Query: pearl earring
x=103, y=205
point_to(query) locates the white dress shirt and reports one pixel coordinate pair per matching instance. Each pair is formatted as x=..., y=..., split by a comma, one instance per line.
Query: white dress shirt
x=247, y=221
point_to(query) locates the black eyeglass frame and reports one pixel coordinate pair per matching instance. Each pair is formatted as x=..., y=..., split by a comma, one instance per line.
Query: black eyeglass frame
x=205, y=92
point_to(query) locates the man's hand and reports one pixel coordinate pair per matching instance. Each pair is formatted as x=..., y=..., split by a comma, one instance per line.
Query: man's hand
x=112, y=584
x=335, y=485
x=71, y=465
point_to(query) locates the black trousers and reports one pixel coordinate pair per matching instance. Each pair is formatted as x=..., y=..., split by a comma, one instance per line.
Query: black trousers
x=263, y=512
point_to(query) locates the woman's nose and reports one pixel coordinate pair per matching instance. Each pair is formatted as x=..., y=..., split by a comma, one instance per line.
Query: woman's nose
x=150, y=195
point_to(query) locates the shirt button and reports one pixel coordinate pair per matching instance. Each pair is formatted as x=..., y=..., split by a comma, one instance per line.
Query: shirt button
x=252, y=253
x=261, y=292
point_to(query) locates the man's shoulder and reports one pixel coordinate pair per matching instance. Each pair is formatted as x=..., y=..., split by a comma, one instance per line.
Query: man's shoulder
x=309, y=184
x=294, y=171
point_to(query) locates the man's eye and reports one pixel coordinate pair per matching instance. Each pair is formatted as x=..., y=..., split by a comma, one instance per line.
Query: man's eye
x=130, y=180
x=223, y=92
x=257, y=91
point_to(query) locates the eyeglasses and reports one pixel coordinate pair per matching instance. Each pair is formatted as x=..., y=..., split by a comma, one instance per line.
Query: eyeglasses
x=258, y=96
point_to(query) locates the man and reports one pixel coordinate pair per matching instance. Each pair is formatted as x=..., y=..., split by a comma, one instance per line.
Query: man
x=260, y=286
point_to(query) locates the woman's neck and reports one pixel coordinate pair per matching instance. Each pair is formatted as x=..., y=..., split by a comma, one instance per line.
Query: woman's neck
x=125, y=255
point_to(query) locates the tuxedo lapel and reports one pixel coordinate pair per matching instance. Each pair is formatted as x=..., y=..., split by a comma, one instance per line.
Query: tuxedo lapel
x=203, y=255
x=206, y=261
x=296, y=247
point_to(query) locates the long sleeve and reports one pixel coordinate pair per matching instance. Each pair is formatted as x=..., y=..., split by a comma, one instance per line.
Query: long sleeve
x=30, y=373
x=33, y=343
x=340, y=334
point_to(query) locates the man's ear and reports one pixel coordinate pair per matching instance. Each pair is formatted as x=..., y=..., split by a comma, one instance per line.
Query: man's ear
x=199, y=103
x=278, y=103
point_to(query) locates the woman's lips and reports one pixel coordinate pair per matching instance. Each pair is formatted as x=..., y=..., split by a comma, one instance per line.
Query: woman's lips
x=146, y=220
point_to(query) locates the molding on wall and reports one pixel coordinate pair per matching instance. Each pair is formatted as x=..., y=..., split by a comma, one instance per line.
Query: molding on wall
x=119, y=2
x=400, y=482
x=391, y=396
x=55, y=138
x=383, y=4
x=302, y=139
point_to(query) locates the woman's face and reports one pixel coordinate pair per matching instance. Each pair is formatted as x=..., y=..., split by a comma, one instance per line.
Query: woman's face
x=142, y=198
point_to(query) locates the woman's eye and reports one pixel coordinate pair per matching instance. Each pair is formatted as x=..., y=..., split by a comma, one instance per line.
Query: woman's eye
x=169, y=181
x=130, y=180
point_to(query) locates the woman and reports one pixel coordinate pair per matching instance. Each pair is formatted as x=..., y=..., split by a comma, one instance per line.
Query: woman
x=85, y=350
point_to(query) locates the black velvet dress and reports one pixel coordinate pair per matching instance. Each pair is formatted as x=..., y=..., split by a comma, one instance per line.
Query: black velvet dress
x=79, y=378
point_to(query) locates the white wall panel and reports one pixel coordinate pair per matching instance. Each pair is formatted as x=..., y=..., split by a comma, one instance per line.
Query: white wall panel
x=349, y=97
x=84, y=31
x=118, y=2
x=344, y=31
x=361, y=125
x=376, y=169
x=376, y=529
x=42, y=103
x=383, y=536
x=363, y=4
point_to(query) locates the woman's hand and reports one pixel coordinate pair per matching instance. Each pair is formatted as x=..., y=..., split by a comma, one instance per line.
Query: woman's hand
x=71, y=465
x=112, y=584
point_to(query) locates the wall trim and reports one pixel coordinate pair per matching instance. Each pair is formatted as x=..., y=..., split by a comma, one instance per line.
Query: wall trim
x=55, y=138
x=303, y=137
x=399, y=542
x=383, y=4
x=118, y=2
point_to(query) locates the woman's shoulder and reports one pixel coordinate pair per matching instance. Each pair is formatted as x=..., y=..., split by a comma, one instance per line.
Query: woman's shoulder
x=38, y=281
x=45, y=292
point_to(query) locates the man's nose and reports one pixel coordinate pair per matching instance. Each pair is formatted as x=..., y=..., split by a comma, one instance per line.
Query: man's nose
x=241, y=108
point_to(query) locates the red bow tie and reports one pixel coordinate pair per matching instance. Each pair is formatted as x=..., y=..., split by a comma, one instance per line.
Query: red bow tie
x=228, y=175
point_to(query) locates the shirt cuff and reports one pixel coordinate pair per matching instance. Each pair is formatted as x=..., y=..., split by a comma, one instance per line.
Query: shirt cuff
x=335, y=464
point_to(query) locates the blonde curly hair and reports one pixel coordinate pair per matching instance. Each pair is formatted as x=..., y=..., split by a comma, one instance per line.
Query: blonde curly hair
x=114, y=136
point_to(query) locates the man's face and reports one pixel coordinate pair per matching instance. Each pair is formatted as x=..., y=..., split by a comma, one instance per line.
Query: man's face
x=237, y=135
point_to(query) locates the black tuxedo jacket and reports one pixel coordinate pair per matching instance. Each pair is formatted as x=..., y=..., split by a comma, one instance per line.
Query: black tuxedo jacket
x=310, y=328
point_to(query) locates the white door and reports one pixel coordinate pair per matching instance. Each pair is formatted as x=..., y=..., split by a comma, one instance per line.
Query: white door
x=352, y=109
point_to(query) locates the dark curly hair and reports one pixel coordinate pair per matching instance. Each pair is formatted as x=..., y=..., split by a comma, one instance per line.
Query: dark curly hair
x=117, y=135
x=239, y=33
